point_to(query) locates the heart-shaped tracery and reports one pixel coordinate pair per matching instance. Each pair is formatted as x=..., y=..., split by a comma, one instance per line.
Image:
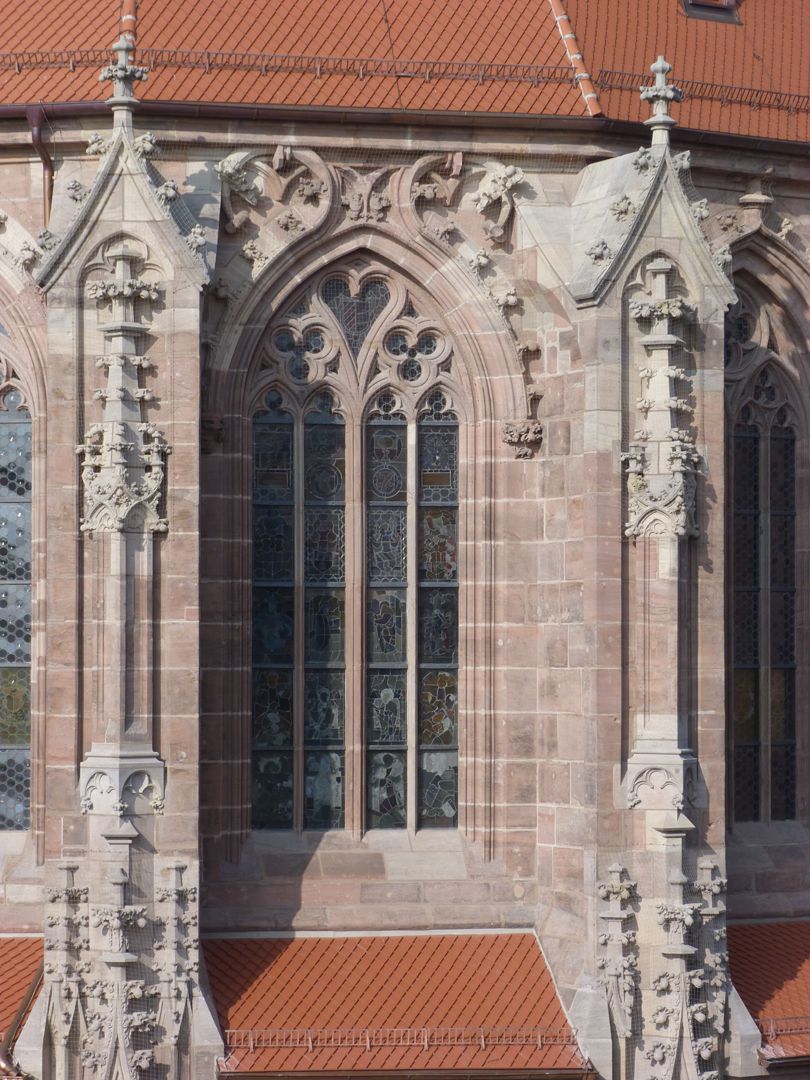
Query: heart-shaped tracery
x=356, y=314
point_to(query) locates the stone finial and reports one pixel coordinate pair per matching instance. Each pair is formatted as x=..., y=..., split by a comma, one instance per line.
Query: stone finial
x=124, y=72
x=661, y=95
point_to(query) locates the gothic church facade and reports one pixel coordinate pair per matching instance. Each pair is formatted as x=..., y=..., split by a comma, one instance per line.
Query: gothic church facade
x=404, y=571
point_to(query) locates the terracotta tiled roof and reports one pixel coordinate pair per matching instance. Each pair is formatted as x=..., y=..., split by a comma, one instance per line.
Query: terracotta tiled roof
x=439, y=1002
x=475, y=56
x=770, y=966
x=297, y=33
x=20, y=957
x=730, y=72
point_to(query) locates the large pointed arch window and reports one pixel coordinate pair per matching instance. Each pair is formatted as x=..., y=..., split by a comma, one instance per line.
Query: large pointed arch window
x=356, y=490
x=762, y=588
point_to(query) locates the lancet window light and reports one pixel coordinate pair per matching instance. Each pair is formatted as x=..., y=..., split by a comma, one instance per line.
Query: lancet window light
x=355, y=563
x=762, y=526
x=15, y=610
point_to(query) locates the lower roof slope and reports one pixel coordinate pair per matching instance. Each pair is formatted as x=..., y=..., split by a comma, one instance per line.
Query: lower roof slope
x=471, y=1002
x=770, y=967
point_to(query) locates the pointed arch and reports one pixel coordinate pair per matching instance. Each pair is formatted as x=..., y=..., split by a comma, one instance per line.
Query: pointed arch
x=768, y=514
x=435, y=329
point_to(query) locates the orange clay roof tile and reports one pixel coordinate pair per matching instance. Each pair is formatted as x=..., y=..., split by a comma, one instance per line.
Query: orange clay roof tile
x=20, y=958
x=389, y=1003
x=776, y=992
x=747, y=77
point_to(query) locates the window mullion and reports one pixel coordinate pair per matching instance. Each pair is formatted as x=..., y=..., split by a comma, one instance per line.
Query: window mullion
x=412, y=554
x=354, y=723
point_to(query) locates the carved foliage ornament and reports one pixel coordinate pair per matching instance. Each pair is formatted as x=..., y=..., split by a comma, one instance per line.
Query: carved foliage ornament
x=123, y=456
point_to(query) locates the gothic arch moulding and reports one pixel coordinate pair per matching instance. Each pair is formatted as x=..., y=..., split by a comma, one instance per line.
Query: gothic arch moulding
x=361, y=321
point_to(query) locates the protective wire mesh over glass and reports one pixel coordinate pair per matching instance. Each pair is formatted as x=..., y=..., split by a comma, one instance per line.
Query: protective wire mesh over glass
x=324, y=619
x=357, y=313
x=386, y=619
x=746, y=557
x=764, y=602
x=15, y=613
x=437, y=515
x=273, y=615
x=783, y=622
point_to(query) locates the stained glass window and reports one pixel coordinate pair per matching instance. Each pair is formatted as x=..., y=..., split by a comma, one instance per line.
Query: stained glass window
x=15, y=613
x=356, y=313
x=763, y=522
x=437, y=647
x=386, y=617
x=273, y=615
x=298, y=726
x=324, y=615
x=355, y=565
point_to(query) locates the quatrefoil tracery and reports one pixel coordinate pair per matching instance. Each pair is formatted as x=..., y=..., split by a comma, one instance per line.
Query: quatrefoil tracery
x=359, y=334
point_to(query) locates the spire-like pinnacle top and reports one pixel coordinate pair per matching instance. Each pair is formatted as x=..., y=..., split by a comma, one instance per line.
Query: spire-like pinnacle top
x=124, y=72
x=661, y=95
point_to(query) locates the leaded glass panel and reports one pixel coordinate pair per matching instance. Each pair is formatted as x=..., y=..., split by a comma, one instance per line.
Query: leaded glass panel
x=272, y=707
x=438, y=788
x=325, y=464
x=746, y=782
x=387, y=547
x=438, y=465
x=15, y=612
x=323, y=707
x=273, y=625
x=323, y=789
x=438, y=626
x=273, y=543
x=386, y=789
x=386, y=626
x=357, y=313
x=387, y=463
x=764, y=630
x=438, y=543
x=387, y=719
x=15, y=624
x=273, y=475
x=323, y=626
x=438, y=708
x=15, y=787
x=437, y=630
x=272, y=790
x=324, y=544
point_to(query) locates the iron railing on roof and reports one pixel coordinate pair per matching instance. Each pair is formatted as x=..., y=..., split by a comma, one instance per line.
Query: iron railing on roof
x=381, y=67
x=726, y=94
x=265, y=63
x=366, y=1038
x=774, y=1026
